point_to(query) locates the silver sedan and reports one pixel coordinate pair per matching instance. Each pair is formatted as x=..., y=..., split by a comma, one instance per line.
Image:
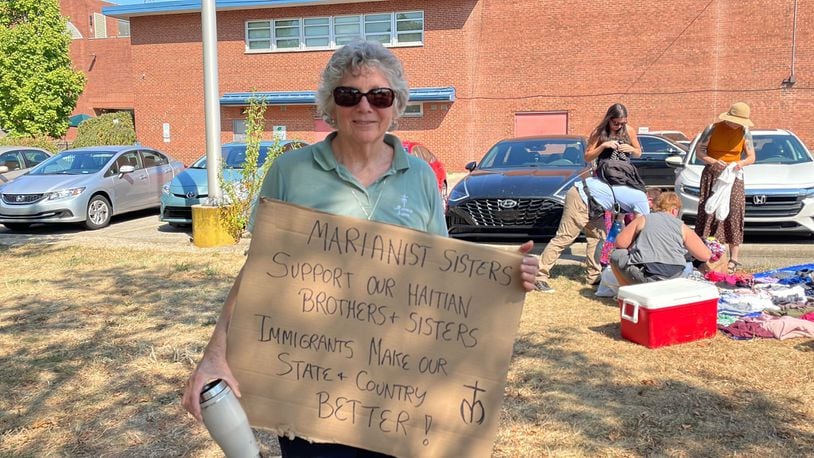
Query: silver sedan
x=87, y=185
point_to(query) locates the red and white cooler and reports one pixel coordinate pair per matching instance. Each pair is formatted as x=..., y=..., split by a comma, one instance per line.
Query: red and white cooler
x=668, y=312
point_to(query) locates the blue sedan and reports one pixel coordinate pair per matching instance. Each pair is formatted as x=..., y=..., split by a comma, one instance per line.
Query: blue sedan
x=87, y=185
x=192, y=187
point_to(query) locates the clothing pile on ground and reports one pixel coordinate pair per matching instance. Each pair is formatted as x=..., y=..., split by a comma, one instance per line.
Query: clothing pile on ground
x=775, y=304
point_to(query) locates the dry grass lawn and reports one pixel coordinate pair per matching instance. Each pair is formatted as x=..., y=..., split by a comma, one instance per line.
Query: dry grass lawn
x=96, y=344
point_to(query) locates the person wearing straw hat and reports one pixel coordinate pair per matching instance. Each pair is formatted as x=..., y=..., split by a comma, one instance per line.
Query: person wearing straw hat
x=726, y=143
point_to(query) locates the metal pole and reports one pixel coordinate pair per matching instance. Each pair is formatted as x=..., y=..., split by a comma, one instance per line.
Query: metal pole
x=209, y=26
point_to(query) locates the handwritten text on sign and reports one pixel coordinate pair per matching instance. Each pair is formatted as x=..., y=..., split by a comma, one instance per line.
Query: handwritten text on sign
x=373, y=335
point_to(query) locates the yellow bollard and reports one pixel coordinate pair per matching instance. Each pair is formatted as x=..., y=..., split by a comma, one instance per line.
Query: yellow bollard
x=206, y=228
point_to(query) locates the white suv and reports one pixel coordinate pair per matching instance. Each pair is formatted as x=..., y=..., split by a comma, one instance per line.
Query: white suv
x=779, y=185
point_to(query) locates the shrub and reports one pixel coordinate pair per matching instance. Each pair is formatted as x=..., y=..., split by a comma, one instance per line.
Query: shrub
x=107, y=129
x=237, y=197
x=41, y=141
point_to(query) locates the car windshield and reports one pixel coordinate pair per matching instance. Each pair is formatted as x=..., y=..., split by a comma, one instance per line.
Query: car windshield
x=73, y=163
x=675, y=136
x=776, y=149
x=556, y=152
x=234, y=156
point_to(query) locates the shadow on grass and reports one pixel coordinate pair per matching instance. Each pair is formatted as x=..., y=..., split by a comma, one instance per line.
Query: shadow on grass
x=647, y=416
x=102, y=350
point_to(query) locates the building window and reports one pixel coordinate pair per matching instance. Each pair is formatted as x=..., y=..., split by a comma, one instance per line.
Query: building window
x=75, y=33
x=410, y=27
x=239, y=130
x=414, y=110
x=346, y=28
x=378, y=27
x=319, y=33
x=99, y=26
x=124, y=28
x=287, y=34
x=258, y=34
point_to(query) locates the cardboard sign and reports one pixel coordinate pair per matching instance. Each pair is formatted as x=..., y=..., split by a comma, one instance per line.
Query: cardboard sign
x=373, y=335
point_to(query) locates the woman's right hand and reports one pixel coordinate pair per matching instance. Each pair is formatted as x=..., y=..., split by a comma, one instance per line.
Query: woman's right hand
x=211, y=367
x=612, y=144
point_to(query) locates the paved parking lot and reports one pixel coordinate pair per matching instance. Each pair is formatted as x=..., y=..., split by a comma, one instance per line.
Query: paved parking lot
x=143, y=230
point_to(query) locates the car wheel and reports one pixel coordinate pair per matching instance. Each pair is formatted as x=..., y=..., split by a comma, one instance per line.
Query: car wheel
x=17, y=226
x=98, y=214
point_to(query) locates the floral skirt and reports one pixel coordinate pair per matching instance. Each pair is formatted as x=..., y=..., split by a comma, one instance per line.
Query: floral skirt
x=729, y=230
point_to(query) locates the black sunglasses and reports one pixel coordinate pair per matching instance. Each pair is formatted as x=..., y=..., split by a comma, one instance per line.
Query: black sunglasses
x=350, y=97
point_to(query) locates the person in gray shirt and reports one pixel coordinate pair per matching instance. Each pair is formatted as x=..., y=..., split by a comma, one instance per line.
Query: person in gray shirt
x=654, y=247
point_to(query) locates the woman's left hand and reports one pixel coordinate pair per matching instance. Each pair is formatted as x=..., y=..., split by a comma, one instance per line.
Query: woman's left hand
x=528, y=267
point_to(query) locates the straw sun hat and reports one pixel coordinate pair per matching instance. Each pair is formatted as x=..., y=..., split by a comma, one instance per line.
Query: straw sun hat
x=739, y=114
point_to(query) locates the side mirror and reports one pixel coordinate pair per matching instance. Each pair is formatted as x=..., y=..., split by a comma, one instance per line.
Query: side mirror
x=675, y=162
x=471, y=165
x=127, y=169
x=3, y=169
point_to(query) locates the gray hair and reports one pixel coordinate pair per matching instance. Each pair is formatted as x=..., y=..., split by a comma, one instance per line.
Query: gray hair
x=352, y=58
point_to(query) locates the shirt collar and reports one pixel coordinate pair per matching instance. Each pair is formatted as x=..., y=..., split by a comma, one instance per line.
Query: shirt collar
x=324, y=156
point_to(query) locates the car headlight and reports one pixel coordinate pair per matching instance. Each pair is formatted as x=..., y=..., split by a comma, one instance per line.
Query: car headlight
x=63, y=194
x=459, y=192
x=691, y=190
x=809, y=192
x=165, y=188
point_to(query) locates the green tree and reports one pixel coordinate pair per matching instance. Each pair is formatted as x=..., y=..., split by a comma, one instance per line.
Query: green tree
x=38, y=85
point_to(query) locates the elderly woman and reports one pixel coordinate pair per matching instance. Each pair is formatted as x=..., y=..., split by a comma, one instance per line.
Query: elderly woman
x=359, y=170
x=724, y=143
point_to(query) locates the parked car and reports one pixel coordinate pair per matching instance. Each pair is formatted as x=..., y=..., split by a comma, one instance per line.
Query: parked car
x=17, y=160
x=673, y=135
x=423, y=152
x=651, y=164
x=779, y=186
x=517, y=190
x=192, y=186
x=87, y=185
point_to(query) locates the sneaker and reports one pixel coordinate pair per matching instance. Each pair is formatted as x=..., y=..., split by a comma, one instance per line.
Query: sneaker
x=594, y=282
x=542, y=286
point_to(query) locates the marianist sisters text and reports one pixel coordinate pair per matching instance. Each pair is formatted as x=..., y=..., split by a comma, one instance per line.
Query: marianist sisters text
x=354, y=242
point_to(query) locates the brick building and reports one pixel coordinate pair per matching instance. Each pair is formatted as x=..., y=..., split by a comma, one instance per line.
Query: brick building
x=480, y=70
x=100, y=48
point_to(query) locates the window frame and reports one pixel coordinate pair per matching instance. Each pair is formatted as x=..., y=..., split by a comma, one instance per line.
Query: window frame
x=335, y=40
x=119, y=27
x=99, y=26
x=419, y=114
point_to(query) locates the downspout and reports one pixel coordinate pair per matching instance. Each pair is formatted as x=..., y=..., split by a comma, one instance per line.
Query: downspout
x=788, y=82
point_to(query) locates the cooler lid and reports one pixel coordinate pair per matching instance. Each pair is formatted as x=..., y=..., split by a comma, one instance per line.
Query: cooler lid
x=668, y=293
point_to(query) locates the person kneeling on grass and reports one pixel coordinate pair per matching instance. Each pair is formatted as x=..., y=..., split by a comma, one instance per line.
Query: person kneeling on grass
x=576, y=218
x=654, y=247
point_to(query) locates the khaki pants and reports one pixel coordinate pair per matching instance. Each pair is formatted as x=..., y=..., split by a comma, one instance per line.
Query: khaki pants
x=574, y=220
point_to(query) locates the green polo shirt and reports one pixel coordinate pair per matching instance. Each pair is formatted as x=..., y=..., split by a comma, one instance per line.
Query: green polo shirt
x=407, y=194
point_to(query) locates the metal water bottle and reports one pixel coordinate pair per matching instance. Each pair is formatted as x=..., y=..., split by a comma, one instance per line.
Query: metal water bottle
x=227, y=422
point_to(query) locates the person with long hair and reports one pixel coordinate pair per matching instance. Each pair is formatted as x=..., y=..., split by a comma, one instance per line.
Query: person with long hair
x=725, y=143
x=613, y=138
